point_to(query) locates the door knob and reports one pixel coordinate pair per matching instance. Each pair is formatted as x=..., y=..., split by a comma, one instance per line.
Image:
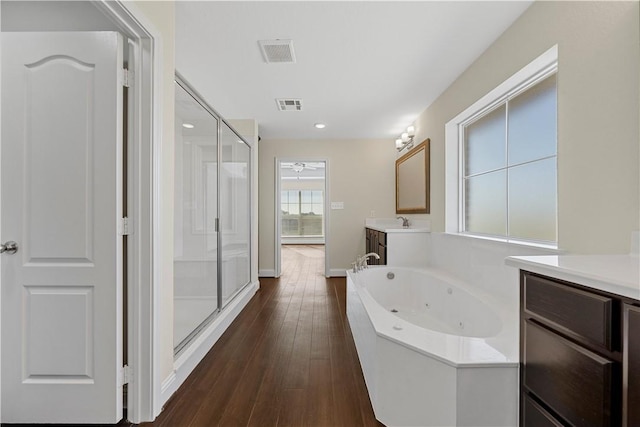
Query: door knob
x=10, y=247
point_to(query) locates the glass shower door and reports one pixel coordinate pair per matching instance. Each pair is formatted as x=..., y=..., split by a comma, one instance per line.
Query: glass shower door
x=234, y=213
x=196, y=200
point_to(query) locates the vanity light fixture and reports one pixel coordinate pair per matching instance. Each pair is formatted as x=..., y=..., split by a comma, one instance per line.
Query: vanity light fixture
x=320, y=126
x=188, y=126
x=406, y=139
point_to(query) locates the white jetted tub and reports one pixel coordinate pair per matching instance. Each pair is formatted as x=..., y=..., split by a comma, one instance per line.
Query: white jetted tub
x=433, y=351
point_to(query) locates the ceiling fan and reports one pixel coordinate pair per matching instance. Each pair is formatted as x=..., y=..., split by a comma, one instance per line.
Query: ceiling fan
x=297, y=166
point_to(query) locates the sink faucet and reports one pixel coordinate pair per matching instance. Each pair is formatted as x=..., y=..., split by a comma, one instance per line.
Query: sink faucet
x=405, y=221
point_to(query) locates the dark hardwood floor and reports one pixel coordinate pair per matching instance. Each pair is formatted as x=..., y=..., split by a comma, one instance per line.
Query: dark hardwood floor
x=287, y=360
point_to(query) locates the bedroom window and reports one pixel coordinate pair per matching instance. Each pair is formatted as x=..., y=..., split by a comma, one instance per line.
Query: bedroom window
x=302, y=212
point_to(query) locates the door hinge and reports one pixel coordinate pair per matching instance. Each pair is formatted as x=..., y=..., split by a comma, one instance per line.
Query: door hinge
x=127, y=77
x=217, y=225
x=126, y=374
x=125, y=226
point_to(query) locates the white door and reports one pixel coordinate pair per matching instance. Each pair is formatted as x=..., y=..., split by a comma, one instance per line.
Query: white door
x=61, y=195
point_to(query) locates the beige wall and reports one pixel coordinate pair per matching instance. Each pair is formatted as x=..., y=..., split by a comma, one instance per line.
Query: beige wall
x=360, y=174
x=161, y=14
x=598, y=155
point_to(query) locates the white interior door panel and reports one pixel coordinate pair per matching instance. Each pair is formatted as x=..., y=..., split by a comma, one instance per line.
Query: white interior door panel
x=61, y=174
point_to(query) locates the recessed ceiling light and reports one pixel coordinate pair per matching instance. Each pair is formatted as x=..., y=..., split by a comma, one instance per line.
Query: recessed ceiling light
x=320, y=125
x=188, y=126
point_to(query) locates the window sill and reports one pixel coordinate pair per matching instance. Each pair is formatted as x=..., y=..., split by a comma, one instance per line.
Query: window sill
x=514, y=242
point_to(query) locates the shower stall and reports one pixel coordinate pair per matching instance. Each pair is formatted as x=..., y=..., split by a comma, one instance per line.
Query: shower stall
x=212, y=231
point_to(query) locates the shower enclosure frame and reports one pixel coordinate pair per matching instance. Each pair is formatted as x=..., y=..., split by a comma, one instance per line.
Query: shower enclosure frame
x=189, y=339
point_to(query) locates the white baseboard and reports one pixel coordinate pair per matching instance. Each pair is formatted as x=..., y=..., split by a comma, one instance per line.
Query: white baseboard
x=338, y=272
x=334, y=272
x=167, y=384
x=195, y=352
x=266, y=273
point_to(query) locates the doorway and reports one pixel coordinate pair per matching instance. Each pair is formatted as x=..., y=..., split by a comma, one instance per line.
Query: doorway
x=301, y=210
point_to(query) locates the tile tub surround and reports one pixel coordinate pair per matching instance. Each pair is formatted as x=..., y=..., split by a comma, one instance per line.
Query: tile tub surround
x=481, y=263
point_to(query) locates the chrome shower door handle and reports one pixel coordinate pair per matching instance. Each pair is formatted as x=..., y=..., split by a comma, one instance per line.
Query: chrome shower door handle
x=10, y=247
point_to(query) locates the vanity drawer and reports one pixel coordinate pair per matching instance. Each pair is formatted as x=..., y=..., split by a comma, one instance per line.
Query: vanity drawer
x=575, y=382
x=583, y=313
x=536, y=416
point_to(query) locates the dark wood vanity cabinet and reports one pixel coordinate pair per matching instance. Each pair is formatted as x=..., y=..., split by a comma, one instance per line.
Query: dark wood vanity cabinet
x=579, y=355
x=376, y=241
x=631, y=366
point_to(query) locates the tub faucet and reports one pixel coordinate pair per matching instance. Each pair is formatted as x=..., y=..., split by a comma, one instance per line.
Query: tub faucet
x=405, y=221
x=364, y=258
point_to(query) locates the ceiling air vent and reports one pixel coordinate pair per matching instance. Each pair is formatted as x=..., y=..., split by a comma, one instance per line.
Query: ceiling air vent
x=289, y=104
x=280, y=51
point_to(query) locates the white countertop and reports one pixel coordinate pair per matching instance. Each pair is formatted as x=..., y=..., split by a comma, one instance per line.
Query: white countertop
x=617, y=274
x=397, y=229
x=394, y=225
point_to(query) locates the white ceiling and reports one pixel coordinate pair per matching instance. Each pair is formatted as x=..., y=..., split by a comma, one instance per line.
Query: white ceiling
x=365, y=68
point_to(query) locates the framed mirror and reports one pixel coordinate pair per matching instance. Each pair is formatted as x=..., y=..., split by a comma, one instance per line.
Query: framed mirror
x=412, y=180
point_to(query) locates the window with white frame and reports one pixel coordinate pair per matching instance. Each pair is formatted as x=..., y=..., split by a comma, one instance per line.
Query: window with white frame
x=507, y=159
x=302, y=213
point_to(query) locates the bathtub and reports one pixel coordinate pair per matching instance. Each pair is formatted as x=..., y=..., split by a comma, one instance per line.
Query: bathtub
x=433, y=351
